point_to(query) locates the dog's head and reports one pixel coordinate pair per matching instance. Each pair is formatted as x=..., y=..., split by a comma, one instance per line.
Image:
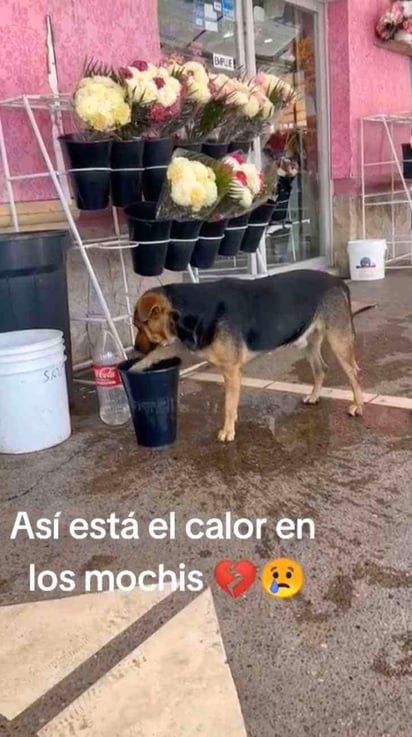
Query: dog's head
x=154, y=319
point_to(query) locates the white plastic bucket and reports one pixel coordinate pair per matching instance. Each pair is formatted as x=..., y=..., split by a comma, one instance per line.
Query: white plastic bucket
x=34, y=405
x=367, y=259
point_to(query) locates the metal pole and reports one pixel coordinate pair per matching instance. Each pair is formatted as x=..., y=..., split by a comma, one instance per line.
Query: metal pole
x=362, y=144
x=9, y=185
x=124, y=274
x=72, y=224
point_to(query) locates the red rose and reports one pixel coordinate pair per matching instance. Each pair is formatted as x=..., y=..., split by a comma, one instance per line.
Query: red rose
x=159, y=82
x=240, y=176
x=142, y=66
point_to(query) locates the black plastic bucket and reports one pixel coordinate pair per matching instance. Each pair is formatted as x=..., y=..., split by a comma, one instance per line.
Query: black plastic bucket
x=153, y=400
x=407, y=160
x=92, y=186
x=153, y=235
x=156, y=158
x=195, y=147
x=126, y=186
x=207, y=246
x=243, y=146
x=215, y=150
x=183, y=238
x=33, y=284
x=234, y=233
x=258, y=221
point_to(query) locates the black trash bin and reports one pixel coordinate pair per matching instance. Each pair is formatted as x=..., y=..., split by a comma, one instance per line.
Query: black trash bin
x=33, y=284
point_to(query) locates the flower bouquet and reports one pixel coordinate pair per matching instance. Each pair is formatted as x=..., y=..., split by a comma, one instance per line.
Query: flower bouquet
x=259, y=101
x=396, y=22
x=156, y=99
x=195, y=184
x=197, y=93
x=249, y=188
x=101, y=111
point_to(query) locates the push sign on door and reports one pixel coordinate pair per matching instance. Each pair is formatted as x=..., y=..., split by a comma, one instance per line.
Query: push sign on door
x=224, y=62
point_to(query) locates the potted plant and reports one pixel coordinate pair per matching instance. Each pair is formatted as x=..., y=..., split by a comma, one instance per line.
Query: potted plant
x=101, y=107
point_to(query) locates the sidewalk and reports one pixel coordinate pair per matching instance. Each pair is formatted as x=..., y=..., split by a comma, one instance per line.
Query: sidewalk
x=334, y=662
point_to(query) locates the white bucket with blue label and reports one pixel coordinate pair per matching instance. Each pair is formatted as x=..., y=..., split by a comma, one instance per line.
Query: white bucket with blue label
x=367, y=259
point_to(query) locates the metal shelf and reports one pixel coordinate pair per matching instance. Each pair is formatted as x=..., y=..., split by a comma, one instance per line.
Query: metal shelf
x=399, y=194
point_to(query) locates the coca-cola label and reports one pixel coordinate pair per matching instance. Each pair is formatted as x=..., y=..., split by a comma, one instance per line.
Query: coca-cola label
x=106, y=376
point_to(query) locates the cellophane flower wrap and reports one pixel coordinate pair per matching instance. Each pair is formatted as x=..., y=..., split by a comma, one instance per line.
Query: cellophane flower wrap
x=155, y=97
x=194, y=186
x=249, y=188
x=257, y=102
x=100, y=102
x=211, y=102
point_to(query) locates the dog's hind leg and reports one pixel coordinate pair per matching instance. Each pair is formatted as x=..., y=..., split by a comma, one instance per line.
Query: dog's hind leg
x=341, y=337
x=318, y=365
x=343, y=346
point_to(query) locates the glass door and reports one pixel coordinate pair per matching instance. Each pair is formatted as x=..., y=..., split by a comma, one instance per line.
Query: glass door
x=286, y=42
x=286, y=39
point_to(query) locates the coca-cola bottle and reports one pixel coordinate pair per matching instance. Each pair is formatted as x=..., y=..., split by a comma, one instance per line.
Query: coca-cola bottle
x=113, y=405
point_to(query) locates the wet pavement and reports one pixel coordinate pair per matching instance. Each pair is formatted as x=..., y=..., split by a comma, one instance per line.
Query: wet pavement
x=337, y=659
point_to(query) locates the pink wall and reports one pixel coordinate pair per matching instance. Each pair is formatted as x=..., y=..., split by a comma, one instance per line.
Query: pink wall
x=116, y=31
x=364, y=80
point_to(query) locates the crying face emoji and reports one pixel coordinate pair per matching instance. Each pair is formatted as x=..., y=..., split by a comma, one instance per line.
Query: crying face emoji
x=282, y=578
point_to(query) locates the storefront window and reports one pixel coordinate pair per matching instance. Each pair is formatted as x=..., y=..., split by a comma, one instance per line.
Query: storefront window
x=284, y=43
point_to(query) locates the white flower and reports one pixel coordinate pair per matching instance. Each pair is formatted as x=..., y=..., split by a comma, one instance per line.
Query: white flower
x=253, y=178
x=100, y=103
x=195, y=69
x=192, y=184
x=166, y=96
x=143, y=91
x=252, y=106
x=198, y=91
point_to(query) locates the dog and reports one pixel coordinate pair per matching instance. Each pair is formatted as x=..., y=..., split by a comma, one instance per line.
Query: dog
x=230, y=320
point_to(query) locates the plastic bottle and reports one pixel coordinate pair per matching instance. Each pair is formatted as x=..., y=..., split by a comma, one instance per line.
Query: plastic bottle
x=113, y=405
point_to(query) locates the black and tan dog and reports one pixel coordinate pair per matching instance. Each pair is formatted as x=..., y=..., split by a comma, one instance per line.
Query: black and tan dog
x=231, y=320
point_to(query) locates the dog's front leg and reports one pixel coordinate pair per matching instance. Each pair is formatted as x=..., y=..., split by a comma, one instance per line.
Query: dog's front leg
x=161, y=353
x=232, y=379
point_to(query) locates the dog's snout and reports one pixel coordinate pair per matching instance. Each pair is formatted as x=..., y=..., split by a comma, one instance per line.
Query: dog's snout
x=142, y=344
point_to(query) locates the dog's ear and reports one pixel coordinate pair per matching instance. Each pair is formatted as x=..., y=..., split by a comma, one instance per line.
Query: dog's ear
x=150, y=305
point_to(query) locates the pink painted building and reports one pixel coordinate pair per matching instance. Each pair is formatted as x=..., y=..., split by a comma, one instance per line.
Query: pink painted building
x=343, y=77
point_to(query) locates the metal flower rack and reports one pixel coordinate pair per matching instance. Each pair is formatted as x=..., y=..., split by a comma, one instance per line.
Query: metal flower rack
x=389, y=130
x=58, y=106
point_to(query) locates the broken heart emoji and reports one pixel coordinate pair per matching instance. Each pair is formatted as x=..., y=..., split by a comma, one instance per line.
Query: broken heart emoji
x=235, y=578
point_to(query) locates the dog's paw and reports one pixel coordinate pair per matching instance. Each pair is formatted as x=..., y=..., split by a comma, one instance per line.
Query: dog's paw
x=355, y=410
x=310, y=399
x=226, y=436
